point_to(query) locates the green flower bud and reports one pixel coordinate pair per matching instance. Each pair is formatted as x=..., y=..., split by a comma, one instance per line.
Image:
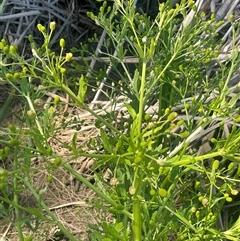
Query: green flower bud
x=180, y=122
x=137, y=159
x=162, y=192
x=49, y=151
x=39, y=27
x=4, y=42
x=190, y=3
x=237, y=119
x=172, y=116
x=49, y=179
x=14, y=142
x=231, y=166
x=193, y=209
x=43, y=29
x=16, y=75
x=3, y=172
x=214, y=141
x=197, y=184
x=152, y=192
x=198, y=214
x=9, y=76
x=13, y=49
x=187, y=106
x=229, y=199
x=57, y=162
x=63, y=70
x=7, y=150
x=167, y=111
x=12, y=128
x=147, y=117
x=56, y=100
x=30, y=38
x=6, y=49
x=31, y=114
x=62, y=43
x=52, y=25
x=215, y=164
x=184, y=134
x=24, y=69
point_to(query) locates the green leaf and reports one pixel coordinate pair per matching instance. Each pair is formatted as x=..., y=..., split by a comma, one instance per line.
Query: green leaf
x=74, y=147
x=113, y=231
x=106, y=144
x=37, y=139
x=82, y=89
x=136, y=82
x=139, y=50
x=103, y=161
x=25, y=86
x=131, y=111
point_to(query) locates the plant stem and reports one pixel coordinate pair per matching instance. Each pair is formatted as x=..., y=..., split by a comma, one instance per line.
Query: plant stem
x=137, y=223
x=15, y=197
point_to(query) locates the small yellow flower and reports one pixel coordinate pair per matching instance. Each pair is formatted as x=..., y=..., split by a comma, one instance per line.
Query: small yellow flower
x=69, y=56
x=234, y=192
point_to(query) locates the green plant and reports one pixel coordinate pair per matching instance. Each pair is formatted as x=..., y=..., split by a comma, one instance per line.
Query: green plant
x=161, y=187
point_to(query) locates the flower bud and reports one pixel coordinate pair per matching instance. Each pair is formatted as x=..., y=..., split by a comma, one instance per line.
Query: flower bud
x=69, y=56
x=62, y=43
x=9, y=76
x=13, y=49
x=56, y=100
x=162, y=192
x=52, y=25
x=63, y=70
x=184, y=134
x=172, y=116
x=31, y=114
x=215, y=164
x=132, y=190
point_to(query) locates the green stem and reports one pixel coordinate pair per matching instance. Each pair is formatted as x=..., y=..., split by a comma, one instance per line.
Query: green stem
x=2, y=5
x=15, y=197
x=137, y=222
x=36, y=118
